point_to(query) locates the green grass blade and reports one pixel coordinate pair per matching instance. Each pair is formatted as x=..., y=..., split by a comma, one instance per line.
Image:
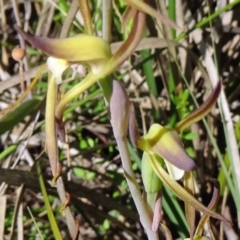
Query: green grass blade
x=209, y=18
x=17, y=115
x=150, y=79
x=7, y=151
x=35, y=223
x=174, y=212
x=172, y=14
x=50, y=214
x=148, y=72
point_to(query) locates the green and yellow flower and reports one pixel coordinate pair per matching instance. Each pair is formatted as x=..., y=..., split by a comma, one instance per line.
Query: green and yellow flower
x=91, y=51
x=162, y=147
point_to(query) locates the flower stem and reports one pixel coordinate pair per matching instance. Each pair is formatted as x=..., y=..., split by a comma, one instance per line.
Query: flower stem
x=134, y=189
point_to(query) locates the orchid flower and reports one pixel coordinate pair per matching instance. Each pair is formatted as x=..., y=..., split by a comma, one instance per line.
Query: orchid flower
x=166, y=143
x=163, y=146
x=91, y=51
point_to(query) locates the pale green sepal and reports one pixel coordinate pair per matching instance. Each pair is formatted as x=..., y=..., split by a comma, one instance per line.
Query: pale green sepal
x=152, y=185
x=151, y=181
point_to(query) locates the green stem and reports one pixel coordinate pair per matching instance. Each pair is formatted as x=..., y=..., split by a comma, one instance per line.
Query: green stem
x=106, y=83
x=107, y=20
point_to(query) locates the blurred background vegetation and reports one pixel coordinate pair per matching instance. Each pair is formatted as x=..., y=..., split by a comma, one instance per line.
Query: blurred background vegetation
x=163, y=82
